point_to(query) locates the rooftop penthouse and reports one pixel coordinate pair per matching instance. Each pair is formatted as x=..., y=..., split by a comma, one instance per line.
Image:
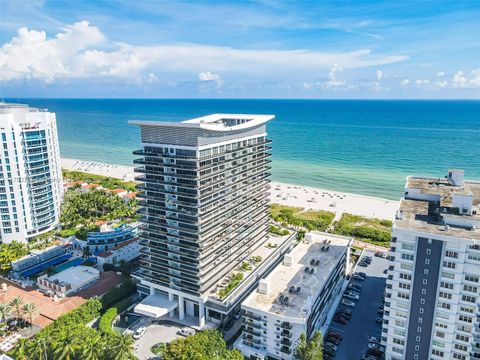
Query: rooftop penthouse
x=448, y=206
x=292, y=287
x=215, y=122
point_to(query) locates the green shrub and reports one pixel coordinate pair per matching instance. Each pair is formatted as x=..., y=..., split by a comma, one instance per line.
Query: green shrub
x=246, y=266
x=105, y=323
x=278, y=231
x=372, y=230
x=296, y=216
x=234, y=281
x=257, y=259
x=105, y=181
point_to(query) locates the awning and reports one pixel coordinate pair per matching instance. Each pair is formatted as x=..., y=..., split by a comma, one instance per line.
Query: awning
x=155, y=306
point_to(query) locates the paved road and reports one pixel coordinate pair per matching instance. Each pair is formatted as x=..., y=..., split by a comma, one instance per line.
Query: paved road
x=153, y=335
x=362, y=325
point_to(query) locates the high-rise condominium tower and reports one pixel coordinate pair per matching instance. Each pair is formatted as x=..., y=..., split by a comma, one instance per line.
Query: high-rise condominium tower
x=30, y=172
x=205, y=198
x=433, y=284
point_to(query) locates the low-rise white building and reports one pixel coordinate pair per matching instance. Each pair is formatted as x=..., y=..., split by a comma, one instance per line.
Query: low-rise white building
x=69, y=281
x=298, y=296
x=126, y=251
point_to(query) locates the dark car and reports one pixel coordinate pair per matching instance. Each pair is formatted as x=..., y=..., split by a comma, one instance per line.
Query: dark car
x=344, y=315
x=340, y=320
x=335, y=334
x=332, y=340
x=379, y=320
x=363, y=264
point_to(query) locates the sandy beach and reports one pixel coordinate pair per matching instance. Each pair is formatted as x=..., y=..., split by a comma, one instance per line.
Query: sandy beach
x=285, y=194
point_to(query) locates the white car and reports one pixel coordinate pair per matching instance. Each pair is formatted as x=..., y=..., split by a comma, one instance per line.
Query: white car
x=348, y=303
x=374, y=339
x=139, y=332
x=186, y=331
x=351, y=296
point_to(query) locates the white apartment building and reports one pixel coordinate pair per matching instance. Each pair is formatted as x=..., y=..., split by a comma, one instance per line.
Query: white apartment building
x=299, y=296
x=30, y=172
x=433, y=284
x=204, y=201
x=126, y=251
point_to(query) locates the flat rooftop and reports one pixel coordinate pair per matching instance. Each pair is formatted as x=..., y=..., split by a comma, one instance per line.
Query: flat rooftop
x=75, y=275
x=215, y=122
x=428, y=206
x=10, y=107
x=285, y=276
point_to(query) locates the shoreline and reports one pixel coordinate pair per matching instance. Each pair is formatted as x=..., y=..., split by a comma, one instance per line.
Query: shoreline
x=310, y=198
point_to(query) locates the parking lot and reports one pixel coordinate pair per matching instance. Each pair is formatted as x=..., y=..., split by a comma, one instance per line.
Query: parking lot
x=362, y=324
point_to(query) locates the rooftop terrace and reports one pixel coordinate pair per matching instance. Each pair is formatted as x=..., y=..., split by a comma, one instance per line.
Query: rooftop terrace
x=287, y=275
x=439, y=206
x=215, y=122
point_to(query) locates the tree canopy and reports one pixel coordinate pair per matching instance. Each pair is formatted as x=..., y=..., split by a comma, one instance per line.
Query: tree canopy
x=309, y=349
x=205, y=345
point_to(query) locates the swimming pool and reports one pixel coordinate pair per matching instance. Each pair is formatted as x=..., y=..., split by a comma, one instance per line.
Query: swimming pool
x=69, y=264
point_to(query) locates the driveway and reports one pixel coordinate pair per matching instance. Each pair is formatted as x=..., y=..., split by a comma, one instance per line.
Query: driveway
x=154, y=334
x=363, y=325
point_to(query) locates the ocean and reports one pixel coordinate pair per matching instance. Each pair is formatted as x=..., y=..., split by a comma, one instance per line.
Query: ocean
x=365, y=147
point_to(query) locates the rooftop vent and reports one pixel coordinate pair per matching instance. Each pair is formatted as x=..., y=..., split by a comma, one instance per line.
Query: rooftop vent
x=264, y=286
x=288, y=260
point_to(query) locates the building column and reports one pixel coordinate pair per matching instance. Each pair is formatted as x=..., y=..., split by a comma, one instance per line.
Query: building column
x=152, y=290
x=181, y=308
x=171, y=298
x=201, y=315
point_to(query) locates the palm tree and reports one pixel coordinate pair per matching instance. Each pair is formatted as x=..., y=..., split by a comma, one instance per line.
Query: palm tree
x=123, y=348
x=4, y=311
x=39, y=349
x=16, y=304
x=30, y=310
x=22, y=349
x=66, y=348
x=93, y=349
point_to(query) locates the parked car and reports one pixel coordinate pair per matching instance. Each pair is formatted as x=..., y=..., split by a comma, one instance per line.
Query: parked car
x=352, y=292
x=358, y=277
x=362, y=274
x=340, y=320
x=344, y=315
x=329, y=352
x=139, y=332
x=186, y=331
x=335, y=334
x=369, y=357
x=385, y=255
x=332, y=340
x=379, y=320
x=348, y=303
x=330, y=345
x=351, y=296
x=347, y=311
x=380, y=311
x=363, y=263
x=355, y=287
x=376, y=346
x=378, y=254
x=374, y=339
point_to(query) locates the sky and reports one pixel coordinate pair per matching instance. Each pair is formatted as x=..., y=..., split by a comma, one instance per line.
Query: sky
x=240, y=49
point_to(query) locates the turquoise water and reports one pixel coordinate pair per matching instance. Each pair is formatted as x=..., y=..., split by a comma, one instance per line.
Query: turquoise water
x=365, y=147
x=69, y=264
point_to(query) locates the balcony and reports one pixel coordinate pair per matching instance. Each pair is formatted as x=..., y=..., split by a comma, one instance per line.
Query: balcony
x=286, y=325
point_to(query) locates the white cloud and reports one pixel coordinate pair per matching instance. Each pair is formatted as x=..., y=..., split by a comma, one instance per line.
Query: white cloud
x=422, y=82
x=475, y=80
x=78, y=51
x=333, y=81
x=208, y=76
x=441, y=83
x=440, y=74
x=31, y=55
x=405, y=82
x=459, y=80
x=379, y=75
